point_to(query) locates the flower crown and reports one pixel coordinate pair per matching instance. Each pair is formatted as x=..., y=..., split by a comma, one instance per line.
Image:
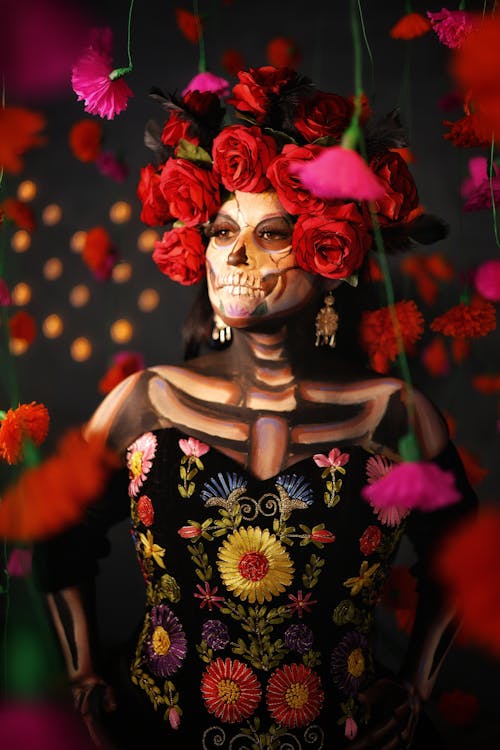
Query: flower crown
x=287, y=123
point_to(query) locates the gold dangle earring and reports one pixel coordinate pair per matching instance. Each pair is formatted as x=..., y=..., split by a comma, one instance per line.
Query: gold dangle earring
x=221, y=333
x=327, y=322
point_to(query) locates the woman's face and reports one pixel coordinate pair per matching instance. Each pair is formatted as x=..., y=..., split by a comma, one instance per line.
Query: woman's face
x=251, y=269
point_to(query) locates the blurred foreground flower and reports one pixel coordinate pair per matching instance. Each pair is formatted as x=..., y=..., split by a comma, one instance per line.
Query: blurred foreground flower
x=40, y=725
x=476, y=189
x=53, y=495
x=19, y=131
x=208, y=82
x=189, y=25
x=283, y=52
x=85, y=139
x=111, y=166
x=19, y=213
x=99, y=254
x=124, y=364
x=22, y=327
x=5, y=295
x=410, y=26
x=378, y=337
x=458, y=708
x=467, y=320
x=19, y=564
x=451, y=26
x=487, y=280
x=94, y=80
x=27, y=422
x=339, y=172
x=400, y=596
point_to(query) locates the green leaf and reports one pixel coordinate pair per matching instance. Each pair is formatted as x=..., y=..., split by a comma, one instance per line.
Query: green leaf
x=187, y=150
x=182, y=491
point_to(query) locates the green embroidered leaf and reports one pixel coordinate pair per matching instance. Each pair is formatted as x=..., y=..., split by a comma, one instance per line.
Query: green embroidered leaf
x=199, y=463
x=182, y=472
x=182, y=491
x=190, y=489
x=192, y=474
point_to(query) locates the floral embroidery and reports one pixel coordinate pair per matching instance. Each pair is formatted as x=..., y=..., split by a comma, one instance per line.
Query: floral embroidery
x=231, y=690
x=207, y=596
x=145, y=510
x=364, y=578
x=378, y=467
x=299, y=638
x=334, y=462
x=254, y=565
x=297, y=488
x=345, y=612
x=216, y=634
x=370, y=540
x=294, y=695
x=139, y=460
x=301, y=603
x=348, y=663
x=166, y=642
x=193, y=450
x=224, y=491
x=152, y=550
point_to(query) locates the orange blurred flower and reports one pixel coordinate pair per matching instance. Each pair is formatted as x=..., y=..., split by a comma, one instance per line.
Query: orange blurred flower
x=460, y=349
x=189, y=25
x=468, y=132
x=378, y=337
x=85, y=139
x=27, y=422
x=20, y=213
x=425, y=269
x=435, y=358
x=54, y=495
x=125, y=363
x=283, y=52
x=232, y=61
x=486, y=384
x=411, y=26
x=473, y=469
x=99, y=253
x=400, y=596
x=467, y=321
x=19, y=131
x=22, y=326
x=373, y=270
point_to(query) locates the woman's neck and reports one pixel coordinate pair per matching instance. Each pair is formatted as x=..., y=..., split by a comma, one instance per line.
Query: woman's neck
x=264, y=357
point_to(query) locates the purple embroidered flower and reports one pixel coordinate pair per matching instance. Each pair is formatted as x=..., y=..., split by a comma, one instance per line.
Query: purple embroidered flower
x=299, y=638
x=166, y=642
x=216, y=634
x=348, y=663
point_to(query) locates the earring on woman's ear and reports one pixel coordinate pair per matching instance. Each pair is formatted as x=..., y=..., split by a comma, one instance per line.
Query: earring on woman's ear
x=221, y=333
x=327, y=322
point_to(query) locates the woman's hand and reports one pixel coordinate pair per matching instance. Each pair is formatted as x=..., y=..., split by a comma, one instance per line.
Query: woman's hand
x=394, y=708
x=93, y=697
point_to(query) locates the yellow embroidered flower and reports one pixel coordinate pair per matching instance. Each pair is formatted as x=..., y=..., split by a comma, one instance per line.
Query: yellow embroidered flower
x=365, y=578
x=151, y=549
x=254, y=565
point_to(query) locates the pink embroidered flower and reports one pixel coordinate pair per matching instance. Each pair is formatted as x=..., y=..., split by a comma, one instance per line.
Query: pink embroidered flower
x=301, y=603
x=92, y=81
x=174, y=718
x=189, y=532
x=476, y=190
x=339, y=172
x=139, y=460
x=413, y=484
x=19, y=564
x=451, y=26
x=370, y=540
x=334, y=459
x=208, y=596
x=351, y=728
x=208, y=82
x=193, y=447
x=487, y=280
x=145, y=510
x=5, y=298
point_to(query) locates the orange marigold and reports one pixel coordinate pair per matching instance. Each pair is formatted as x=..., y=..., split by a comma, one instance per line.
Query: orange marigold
x=28, y=421
x=411, y=26
x=22, y=326
x=72, y=478
x=467, y=321
x=435, y=358
x=378, y=337
x=21, y=214
x=85, y=139
x=189, y=25
x=486, y=384
x=19, y=131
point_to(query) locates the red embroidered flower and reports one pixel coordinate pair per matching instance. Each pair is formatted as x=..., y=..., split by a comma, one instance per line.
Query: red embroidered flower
x=85, y=140
x=294, y=695
x=145, y=510
x=323, y=114
x=294, y=197
x=241, y=157
x=370, y=540
x=189, y=532
x=28, y=421
x=333, y=244
x=180, y=255
x=467, y=321
x=192, y=193
x=378, y=337
x=411, y=26
x=335, y=459
x=230, y=690
x=155, y=211
x=401, y=197
x=177, y=127
x=323, y=536
x=208, y=596
x=257, y=87
x=301, y=603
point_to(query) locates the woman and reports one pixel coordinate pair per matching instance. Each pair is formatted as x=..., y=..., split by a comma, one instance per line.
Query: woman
x=262, y=562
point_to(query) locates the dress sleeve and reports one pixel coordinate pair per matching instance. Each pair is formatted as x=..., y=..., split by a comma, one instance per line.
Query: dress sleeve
x=70, y=558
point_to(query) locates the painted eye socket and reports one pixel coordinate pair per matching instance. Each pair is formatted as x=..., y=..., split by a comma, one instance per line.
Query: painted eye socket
x=223, y=234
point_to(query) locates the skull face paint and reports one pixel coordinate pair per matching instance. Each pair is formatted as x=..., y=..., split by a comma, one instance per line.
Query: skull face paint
x=251, y=268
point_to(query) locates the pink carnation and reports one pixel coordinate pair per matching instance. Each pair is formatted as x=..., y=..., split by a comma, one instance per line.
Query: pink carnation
x=208, y=82
x=451, y=26
x=476, y=189
x=413, y=484
x=91, y=80
x=335, y=459
x=487, y=280
x=193, y=447
x=378, y=467
x=339, y=172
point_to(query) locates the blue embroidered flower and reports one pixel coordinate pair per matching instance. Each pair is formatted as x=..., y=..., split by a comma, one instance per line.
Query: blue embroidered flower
x=223, y=487
x=349, y=662
x=296, y=487
x=299, y=638
x=216, y=634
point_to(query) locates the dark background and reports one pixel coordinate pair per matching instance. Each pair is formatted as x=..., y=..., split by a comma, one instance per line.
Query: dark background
x=412, y=75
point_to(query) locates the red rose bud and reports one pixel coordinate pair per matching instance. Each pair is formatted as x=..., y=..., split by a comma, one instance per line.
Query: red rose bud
x=241, y=158
x=322, y=535
x=189, y=532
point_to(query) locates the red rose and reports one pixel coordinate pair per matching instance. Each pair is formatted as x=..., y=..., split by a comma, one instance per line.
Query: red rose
x=333, y=244
x=370, y=540
x=401, y=195
x=256, y=87
x=180, y=255
x=322, y=115
x=177, y=127
x=241, y=157
x=294, y=197
x=145, y=510
x=205, y=106
x=154, y=206
x=191, y=192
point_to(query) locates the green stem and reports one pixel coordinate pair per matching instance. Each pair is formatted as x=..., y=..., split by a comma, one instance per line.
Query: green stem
x=202, y=62
x=409, y=6
x=120, y=72
x=462, y=4
x=369, y=52
x=492, y=192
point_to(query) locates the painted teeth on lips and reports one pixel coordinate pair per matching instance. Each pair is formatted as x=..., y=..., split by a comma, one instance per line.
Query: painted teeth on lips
x=241, y=280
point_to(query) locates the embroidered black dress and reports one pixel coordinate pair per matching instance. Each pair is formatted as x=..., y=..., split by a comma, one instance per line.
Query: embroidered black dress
x=261, y=594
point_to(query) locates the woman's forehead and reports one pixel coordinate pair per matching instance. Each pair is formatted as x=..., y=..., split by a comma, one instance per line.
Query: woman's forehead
x=250, y=208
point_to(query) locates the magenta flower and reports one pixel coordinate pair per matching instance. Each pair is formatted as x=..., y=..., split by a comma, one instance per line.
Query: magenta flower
x=334, y=459
x=378, y=467
x=110, y=166
x=451, y=26
x=174, y=718
x=413, y=484
x=94, y=80
x=208, y=82
x=351, y=728
x=338, y=172
x=193, y=447
x=19, y=565
x=487, y=280
x=5, y=298
x=476, y=190
x=140, y=459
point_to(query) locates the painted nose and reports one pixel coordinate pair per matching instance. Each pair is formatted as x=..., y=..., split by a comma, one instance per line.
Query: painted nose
x=238, y=256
